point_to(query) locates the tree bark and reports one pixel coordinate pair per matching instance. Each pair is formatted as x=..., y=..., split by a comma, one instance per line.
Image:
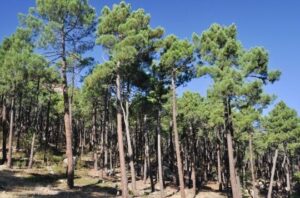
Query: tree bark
x=176, y=138
x=10, y=139
x=68, y=127
x=236, y=193
x=129, y=145
x=147, y=157
x=287, y=172
x=47, y=129
x=31, y=151
x=193, y=160
x=219, y=162
x=94, y=140
x=120, y=136
x=160, y=170
x=4, y=130
x=106, y=120
x=272, y=174
x=255, y=193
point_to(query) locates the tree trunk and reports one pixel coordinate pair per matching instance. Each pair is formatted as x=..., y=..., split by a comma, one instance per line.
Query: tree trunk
x=120, y=136
x=193, y=161
x=287, y=172
x=233, y=181
x=236, y=193
x=147, y=157
x=94, y=138
x=176, y=139
x=272, y=174
x=106, y=120
x=67, y=122
x=31, y=151
x=219, y=166
x=11, y=128
x=160, y=170
x=255, y=193
x=129, y=145
x=47, y=129
x=18, y=120
x=145, y=168
x=4, y=130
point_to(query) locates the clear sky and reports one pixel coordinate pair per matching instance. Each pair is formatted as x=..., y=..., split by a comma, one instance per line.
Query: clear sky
x=272, y=24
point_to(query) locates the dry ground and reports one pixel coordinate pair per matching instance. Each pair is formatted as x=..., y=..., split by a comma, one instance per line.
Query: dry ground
x=46, y=182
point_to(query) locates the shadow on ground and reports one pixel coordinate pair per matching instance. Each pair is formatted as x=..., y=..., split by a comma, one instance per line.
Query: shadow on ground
x=38, y=185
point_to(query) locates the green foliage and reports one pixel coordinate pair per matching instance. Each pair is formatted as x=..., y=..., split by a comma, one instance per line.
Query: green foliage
x=176, y=59
x=282, y=126
x=73, y=20
x=127, y=37
x=237, y=73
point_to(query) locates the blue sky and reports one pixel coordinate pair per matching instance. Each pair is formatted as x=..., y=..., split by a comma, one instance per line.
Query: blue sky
x=274, y=25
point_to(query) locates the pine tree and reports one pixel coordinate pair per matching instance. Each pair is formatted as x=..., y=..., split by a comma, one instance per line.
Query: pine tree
x=176, y=60
x=282, y=129
x=231, y=68
x=125, y=35
x=63, y=29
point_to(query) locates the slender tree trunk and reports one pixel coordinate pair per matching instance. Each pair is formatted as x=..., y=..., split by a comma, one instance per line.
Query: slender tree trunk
x=120, y=136
x=177, y=145
x=193, y=160
x=4, y=130
x=255, y=193
x=31, y=151
x=47, y=129
x=67, y=122
x=219, y=163
x=272, y=174
x=287, y=172
x=288, y=179
x=106, y=120
x=233, y=181
x=11, y=128
x=145, y=168
x=19, y=129
x=106, y=149
x=160, y=170
x=147, y=156
x=94, y=140
x=236, y=193
x=129, y=145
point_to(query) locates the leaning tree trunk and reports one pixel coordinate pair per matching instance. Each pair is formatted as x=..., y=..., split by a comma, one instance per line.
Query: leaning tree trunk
x=129, y=145
x=272, y=174
x=120, y=136
x=160, y=170
x=176, y=139
x=4, y=130
x=10, y=139
x=67, y=121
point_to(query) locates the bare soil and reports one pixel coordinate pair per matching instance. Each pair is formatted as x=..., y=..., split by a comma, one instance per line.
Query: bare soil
x=45, y=182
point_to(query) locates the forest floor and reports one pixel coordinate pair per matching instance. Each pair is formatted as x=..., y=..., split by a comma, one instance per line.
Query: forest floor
x=50, y=182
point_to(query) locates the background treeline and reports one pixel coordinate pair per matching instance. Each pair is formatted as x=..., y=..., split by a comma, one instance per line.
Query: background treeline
x=126, y=111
